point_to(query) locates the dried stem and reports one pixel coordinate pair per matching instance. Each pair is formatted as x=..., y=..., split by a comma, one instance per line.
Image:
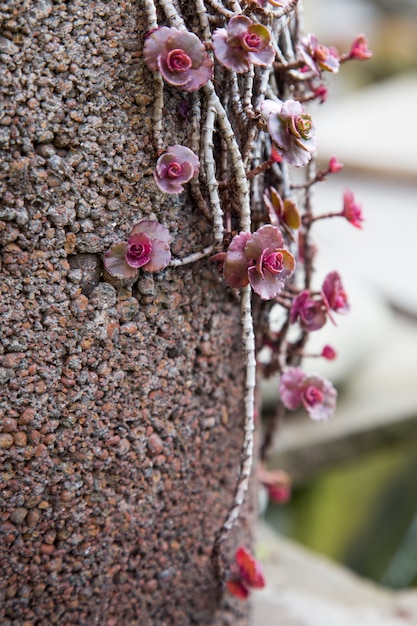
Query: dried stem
x=158, y=107
x=220, y=9
x=204, y=22
x=151, y=18
x=192, y=258
x=212, y=184
x=172, y=14
x=248, y=339
x=236, y=157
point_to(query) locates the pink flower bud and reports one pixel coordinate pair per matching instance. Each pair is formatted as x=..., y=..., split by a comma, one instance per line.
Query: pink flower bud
x=275, y=155
x=352, y=211
x=246, y=574
x=279, y=495
x=334, y=294
x=335, y=165
x=359, y=49
x=321, y=93
x=329, y=353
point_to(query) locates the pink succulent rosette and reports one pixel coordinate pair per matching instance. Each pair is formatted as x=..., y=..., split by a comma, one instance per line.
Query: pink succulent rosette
x=318, y=57
x=316, y=394
x=180, y=57
x=243, y=43
x=259, y=259
x=291, y=129
x=309, y=311
x=175, y=167
x=146, y=248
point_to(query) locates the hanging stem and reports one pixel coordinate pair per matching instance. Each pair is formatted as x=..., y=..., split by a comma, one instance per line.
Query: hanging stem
x=248, y=340
x=192, y=258
x=212, y=184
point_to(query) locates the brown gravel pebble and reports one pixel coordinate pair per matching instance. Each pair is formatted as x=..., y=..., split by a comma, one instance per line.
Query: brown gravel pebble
x=6, y=441
x=122, y=404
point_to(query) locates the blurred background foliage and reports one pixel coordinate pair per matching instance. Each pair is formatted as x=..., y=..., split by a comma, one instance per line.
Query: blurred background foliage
x=362, y=512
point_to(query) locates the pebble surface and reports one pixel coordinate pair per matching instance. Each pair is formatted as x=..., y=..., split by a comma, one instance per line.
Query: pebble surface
x=121, y=408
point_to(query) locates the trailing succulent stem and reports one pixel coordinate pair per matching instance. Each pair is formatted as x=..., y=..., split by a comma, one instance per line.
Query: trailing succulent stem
x=248, y=69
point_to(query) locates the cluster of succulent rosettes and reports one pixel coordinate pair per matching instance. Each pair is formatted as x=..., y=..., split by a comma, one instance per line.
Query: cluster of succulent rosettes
x=246, y=574
x=291, y=129
x=243, y=42
x=311, y=309
x=175, y=168
x=258, y=259
x=318, y=58
x=316, y=394
x=180, y=56
x=147, y=248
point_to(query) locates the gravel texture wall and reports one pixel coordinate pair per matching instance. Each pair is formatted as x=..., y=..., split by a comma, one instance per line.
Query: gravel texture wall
x=121, y=409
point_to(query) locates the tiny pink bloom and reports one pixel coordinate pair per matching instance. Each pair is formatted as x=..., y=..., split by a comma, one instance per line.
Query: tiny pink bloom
x=275, y=155
x=246, y=574
x=329, y=353
x=316, y=394
x=359, y=49
x=334, y=295
x=335, y=165
x=352, y=211
x=249, y=569
x=309, y=311
x=318, y=57
x=291, y=129
x=180, y=57
x=146, y=248
x=236, y=588
x=279, y=495
x=174, y=168
x=277, y=482
x=242, y=43
x=321, y=93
